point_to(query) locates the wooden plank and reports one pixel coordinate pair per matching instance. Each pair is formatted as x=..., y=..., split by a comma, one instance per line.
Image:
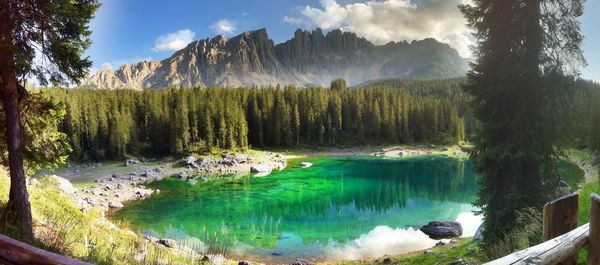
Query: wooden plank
x=550, y=252
x=13, y=252
x=594, y=238
x=560, y=217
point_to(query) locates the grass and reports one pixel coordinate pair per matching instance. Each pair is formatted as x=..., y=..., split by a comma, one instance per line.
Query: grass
x=465, y=249
x=62, y=228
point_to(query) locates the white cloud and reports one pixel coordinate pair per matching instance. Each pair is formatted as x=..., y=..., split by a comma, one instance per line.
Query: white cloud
x=174, y=41
x=392, y=20
x=224, y=26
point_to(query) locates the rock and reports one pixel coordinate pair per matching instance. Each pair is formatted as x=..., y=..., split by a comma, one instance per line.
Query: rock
x=120, y=186
x=241, y=159
x=453, y=241
x=387, y=260
x=300, y=261
x=90, y=201
x=244, y=262
x=143, y=193
x=33, y=182
x=180, y=175
x=440, y=243
x=97, y=191
x=429, y=252
x=190, y=160
x=442, y=229
x=260, y=169
x=170, y=243
x=131, y=162
x=64, y=186
x=305, y=164
x=151, y=239
x=479, y=233
x=115, y=205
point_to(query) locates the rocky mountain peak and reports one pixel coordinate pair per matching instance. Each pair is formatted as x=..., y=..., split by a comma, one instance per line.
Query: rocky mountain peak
x=310, y=57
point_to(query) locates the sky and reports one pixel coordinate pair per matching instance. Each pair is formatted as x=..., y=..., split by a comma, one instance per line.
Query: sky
x=128, y=31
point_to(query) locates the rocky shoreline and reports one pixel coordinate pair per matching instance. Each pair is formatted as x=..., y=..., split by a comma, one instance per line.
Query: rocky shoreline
x=111, y=192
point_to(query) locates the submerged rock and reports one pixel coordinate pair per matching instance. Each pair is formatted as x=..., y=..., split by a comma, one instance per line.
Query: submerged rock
x=305, y=164
x=442, y=229
x=260, y=169
x=180, y=175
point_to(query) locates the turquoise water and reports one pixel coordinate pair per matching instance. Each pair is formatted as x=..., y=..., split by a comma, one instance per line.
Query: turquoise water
x=340, y=208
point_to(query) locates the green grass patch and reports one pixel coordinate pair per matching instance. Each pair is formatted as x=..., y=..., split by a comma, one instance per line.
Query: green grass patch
x=62, y=228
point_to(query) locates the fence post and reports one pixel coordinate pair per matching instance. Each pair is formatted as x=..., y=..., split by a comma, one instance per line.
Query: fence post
x=560, y=217
x=594, y=235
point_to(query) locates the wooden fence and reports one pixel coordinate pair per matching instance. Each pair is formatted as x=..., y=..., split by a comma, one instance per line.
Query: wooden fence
x=562, y=238
x=13, y=252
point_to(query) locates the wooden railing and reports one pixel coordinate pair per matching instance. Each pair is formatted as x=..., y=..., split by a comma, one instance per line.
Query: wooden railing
x=562, y=238
x=13, y=252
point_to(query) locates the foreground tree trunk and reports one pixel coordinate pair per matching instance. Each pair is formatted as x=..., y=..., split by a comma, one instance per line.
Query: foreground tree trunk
x=16, y=217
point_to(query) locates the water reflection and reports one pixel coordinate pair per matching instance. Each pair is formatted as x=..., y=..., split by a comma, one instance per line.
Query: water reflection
x=341, y=207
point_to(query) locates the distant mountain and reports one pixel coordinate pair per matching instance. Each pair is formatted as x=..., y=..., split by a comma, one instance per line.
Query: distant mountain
x=309, y=58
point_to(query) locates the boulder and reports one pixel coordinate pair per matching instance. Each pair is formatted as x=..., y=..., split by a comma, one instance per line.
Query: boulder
x=479, y=233
x=260, y=169
x=97, y=191
x=131, y=162
x=170, y=243
x=180, y=175
x=115, y=205
x=244, y=262
x=33, y=182
x=190, y=160
x=64, y=186
x=442, y=229
x=143, y=193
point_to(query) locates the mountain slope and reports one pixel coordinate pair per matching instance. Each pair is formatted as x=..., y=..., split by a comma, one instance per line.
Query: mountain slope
x=309, y=58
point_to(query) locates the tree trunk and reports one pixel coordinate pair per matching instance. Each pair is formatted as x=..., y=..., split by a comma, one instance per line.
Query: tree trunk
x=17, y=215
x=16, y=218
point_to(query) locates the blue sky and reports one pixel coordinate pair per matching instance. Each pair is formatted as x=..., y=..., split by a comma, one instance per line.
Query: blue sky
x=127, y=31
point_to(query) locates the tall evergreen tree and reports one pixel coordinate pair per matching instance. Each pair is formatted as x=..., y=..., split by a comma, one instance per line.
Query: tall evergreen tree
x=58, y=32
x=519, y=48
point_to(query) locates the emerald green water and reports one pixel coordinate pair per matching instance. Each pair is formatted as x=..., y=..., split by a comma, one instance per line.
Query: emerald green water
x=340, y=208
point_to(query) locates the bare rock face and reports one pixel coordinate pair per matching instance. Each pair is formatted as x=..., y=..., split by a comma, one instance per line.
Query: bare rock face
x=309, y=58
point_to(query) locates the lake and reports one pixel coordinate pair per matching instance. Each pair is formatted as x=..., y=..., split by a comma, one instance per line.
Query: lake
x=340, y=208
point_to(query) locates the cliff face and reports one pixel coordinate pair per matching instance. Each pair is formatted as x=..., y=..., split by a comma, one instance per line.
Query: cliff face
x=309, y=58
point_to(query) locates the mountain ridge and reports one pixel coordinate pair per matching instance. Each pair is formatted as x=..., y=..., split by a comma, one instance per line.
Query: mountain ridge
x=308, y=58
